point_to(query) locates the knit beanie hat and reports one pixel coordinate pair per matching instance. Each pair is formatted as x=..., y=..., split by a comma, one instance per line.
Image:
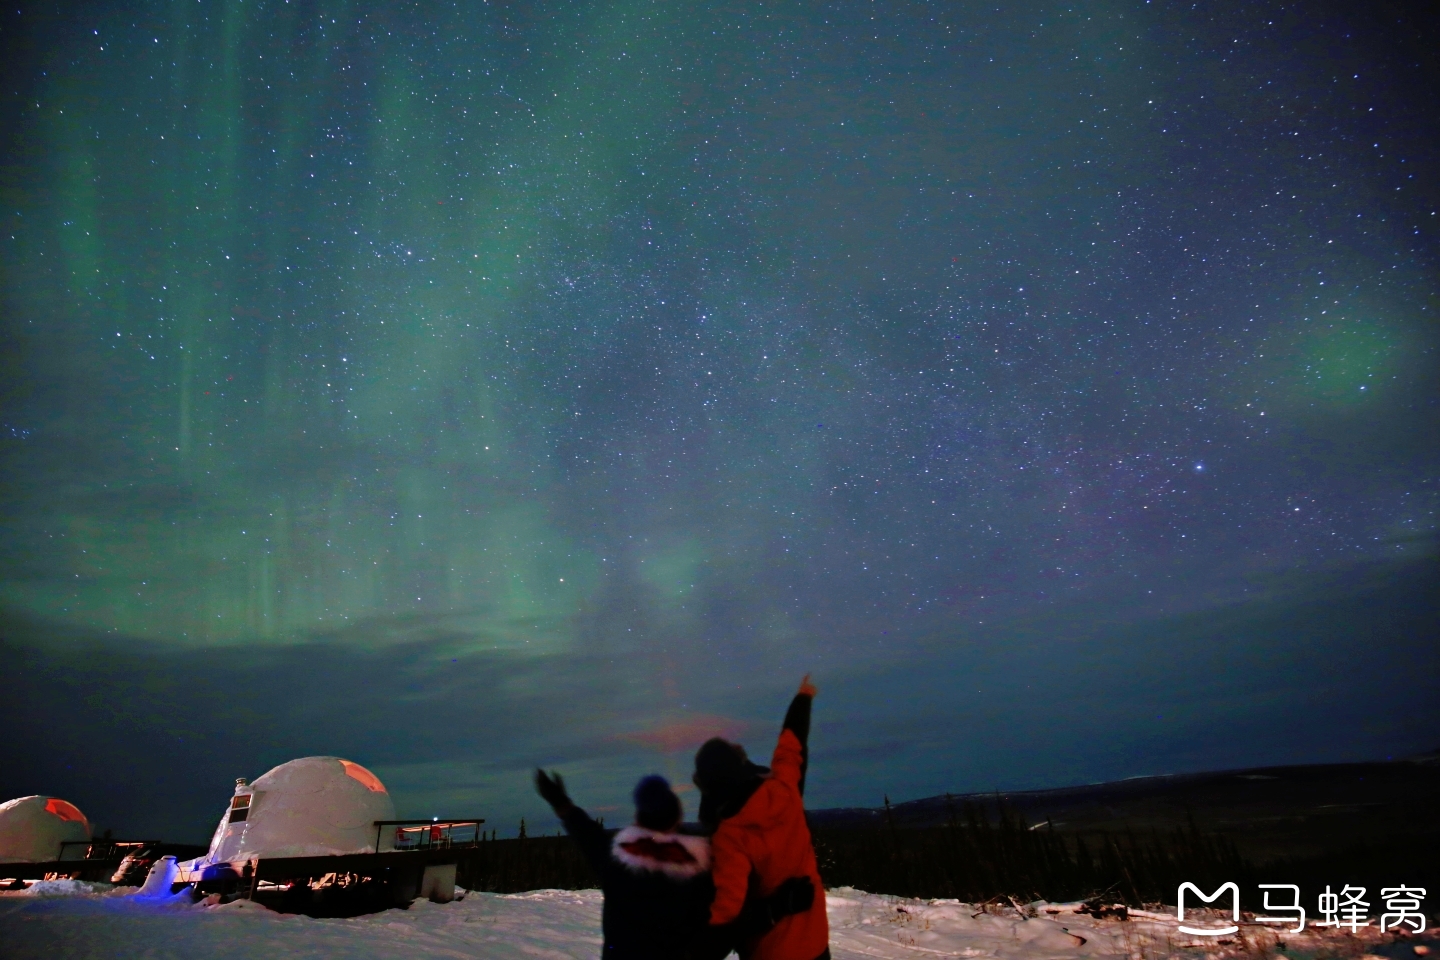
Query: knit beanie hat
x=656, y=806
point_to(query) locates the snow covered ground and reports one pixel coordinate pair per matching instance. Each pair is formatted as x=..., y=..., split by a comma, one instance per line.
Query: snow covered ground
x=66, y=920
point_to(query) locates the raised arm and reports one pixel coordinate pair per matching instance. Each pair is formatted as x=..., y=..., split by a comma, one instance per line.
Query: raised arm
x=797, y=722
x=590, y=836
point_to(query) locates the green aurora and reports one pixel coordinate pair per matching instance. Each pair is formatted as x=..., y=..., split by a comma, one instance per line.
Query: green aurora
x=724, y=340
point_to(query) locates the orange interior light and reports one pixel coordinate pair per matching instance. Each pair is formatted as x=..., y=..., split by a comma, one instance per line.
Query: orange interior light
x=357, y=772
x=63, y=810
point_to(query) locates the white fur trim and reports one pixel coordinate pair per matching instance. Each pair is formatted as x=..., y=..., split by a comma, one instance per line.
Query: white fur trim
x=697, y=847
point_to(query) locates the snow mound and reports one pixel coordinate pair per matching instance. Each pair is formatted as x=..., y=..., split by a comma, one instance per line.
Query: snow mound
x=236, y=905
x=158, y=880
x=68, y=888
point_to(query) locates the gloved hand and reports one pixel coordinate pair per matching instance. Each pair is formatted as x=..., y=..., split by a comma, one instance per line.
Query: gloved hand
x=795, y=895
x=552, y=789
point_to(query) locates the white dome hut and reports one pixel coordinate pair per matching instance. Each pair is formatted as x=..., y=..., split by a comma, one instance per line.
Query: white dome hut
x=32, y=829
x=314, y=806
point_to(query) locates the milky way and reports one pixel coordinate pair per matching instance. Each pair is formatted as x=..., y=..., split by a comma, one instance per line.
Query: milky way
x=653, y=353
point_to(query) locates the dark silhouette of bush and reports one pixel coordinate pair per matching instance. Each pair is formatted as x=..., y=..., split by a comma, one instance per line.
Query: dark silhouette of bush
x=978, y=855
x=975, y=857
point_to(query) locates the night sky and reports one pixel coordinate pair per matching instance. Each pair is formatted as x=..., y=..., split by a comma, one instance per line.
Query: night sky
x=460, y=387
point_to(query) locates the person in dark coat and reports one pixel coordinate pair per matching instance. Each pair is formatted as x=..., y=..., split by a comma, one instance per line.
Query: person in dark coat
x=656, y=880
x=760, y=837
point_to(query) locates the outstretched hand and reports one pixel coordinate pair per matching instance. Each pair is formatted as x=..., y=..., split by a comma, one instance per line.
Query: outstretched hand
x=552, y=788
x=807, y=689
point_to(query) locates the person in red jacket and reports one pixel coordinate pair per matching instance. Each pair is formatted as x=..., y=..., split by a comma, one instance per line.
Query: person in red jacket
x=758, y=821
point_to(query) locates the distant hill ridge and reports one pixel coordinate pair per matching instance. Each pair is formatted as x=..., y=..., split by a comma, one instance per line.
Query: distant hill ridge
x=1284, y=804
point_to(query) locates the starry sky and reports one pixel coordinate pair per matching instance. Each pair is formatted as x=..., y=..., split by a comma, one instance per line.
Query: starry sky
x=457, y=387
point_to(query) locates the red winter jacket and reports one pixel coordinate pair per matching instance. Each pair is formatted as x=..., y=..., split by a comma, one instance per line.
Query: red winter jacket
x=770, y=837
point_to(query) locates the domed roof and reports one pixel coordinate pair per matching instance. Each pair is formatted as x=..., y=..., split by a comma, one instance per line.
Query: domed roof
x=314, y=806
x=32, y=829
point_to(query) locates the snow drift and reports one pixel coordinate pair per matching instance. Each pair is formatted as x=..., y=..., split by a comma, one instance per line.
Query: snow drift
x=565, y=924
